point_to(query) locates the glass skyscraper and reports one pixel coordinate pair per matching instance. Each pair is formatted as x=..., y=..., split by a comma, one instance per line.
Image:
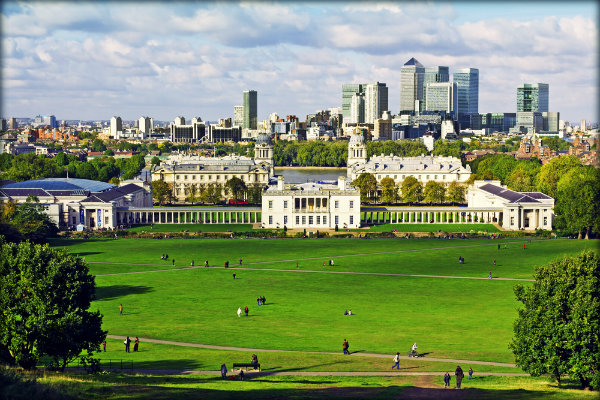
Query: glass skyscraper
x=348, y=90
x=532, y=97
x=467, y=86
x=434, y=75
x=412, y=77
x=250, y=109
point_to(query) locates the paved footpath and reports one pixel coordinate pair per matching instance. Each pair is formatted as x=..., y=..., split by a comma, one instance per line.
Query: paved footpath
x=315, y=373
x=208, y=346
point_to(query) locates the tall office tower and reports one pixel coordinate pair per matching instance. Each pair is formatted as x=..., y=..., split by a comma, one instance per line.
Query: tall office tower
x=583, y=125
x=349, y=90
x=12, y=123
x=467, y=87
x=116, y=127
x=412, y=76
x=357, y=109
x=441, y=96
x=434, y=75
x=250, y=110
x=238, y=115
x=376, y=101
x=532, y=97
x=144, y=125
x=4, y=125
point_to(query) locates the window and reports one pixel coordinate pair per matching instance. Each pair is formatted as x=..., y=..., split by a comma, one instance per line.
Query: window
x=304, y=220
x=318, y=220
x=193, y=177
x=177, y=177
x=337, y=204
x=297, y=220
x=285, y=219
x=270, y=220
x=435, y=177
x=310, y=220
x=75, y=220
x=185, y=177
x=351, y=204
x=201, y=177
x=351, y=219
x=512, y=220
x=270, y=204
x=337, y=220
x=285, y=204
x=324, y=220
x=545, y=220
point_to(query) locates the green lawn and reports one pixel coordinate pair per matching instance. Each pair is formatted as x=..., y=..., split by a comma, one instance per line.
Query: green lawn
x=435, y=228
x=192, y=228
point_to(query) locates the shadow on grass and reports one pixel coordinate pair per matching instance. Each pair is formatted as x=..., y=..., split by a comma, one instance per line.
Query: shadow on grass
x=275, y=370
x=104, y=293
x=88, y=253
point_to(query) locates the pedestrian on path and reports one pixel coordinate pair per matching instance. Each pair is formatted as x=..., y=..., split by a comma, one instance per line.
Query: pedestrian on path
x=240, y=261
x=120, y=309
x=223, y=371
x=173, y=261
x=136, y=344
x=345, y=347
x=297, y=266
x=490, y=275
x=523, y=246
x=494, y=262
x=127, y=343
x=459, y=376
x=470, y=373
x=447, y=378
x=206, y=263
x=104, y=346
x=246, y=310
x=396, y=361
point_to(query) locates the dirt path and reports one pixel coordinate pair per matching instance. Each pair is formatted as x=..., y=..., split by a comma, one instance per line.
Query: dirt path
x=213, y=347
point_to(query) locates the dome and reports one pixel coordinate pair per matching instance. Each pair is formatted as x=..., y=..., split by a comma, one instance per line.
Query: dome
x=263, y=138
x=62, y=184
x=357, y=139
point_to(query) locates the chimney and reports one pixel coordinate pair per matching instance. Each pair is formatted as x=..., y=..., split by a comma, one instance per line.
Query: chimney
x=341, y=183
x=280, y=183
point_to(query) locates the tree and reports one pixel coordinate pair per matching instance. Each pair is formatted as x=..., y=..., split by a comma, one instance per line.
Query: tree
x=32, y=222
x=577, y=199
x=367, y=184
x=456, y=192
x=523, y=177
x=212, y=193
x=255, y=193
x=162, y=191
x=558, y=330
x=435, y=192
x=389, y=190
x=191, y=193
x=551, y=172
x=109, y=152
x=44, y=297
x=155, y=161
x=235, y=187
x=412, y=190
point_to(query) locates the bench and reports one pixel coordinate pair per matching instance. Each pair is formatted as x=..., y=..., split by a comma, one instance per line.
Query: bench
x=246, y=365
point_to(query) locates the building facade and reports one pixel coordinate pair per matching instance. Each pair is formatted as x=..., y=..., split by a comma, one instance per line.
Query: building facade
x=311, y=205
x=467, y=86
x=348, y=91
x=533, y=97
x=441, y=97
x=412, y=76
x=376, y=101
x=250, y=109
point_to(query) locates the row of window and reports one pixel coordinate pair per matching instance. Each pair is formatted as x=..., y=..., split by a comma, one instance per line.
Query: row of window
x=311, y=203
x=320, y=220
x=192, y=177
x=402, y=177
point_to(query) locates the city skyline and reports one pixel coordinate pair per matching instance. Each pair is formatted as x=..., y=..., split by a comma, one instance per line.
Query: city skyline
x=95, y=60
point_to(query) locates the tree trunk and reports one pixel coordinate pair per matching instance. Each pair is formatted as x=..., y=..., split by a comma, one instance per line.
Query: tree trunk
x=587, y=233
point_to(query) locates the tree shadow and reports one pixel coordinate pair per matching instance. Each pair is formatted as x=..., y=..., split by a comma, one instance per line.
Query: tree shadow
x=104, y=293
x=87, y=253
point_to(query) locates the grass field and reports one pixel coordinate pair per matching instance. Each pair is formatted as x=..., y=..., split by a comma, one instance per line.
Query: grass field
x=192, y=228
x=450, y=309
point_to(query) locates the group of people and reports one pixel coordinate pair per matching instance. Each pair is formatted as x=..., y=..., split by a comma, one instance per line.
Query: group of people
x=347, y=312
x=461, y=260
x=260, y=300
x=127, y=343
x=239, y=311
x=164, y=257
x=459, y=377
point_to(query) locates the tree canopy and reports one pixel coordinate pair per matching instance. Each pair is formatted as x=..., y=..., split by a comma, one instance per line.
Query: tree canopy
x=44, y=297
x=412, y=190
x=577, y=199
x=367, y=185
x=235, y=187
x=558, y=330
x=389, y=190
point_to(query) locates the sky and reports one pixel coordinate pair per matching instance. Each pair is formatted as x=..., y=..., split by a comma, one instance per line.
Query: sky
x=93, y=60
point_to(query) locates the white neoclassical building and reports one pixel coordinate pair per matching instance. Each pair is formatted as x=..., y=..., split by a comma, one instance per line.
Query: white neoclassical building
x=183, y=171
x=423, y=168
x=311, y=205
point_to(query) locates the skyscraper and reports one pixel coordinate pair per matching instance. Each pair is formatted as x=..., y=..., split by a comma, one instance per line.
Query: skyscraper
x=116, y=126
x=434, y=75
x=348, y=90
x=532, y=97
x=376, y=101
x=357, y=109
x=412, y=76
x=467, y=86
x=238, y=115
x=250, y=109
x=441, y=96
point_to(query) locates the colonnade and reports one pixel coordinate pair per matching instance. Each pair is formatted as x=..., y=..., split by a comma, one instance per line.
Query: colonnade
x=217, y=215
x=417, y=216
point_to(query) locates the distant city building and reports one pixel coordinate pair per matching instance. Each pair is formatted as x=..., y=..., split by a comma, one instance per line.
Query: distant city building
x=218, y=133
x=195, y=132
x=494, y=122
x=532, y=97
x=311, y=205
x=250, y=109
x=376, y=101
x=412, y=76
x=348, y=91
x=145, y=126
x=357, y=109
x=434, y=75
x=467, y=86
x=550, y=121
x=238, y=116
x=3, y=125
x=441, y=96
x=12, y=123
x=116, y=127
x=45, y=120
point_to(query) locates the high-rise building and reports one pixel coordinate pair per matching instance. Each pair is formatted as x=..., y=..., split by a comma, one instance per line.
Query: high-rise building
x=3, y=125
x=357, y=109
x=532, y=97
x=145, y=125
x=467, y=86
x=441, y=96
x=376, y=101
x=434, y=75
x=250, y=110
x=583, y=125
x=12, y=123
x=116, y=127
x=349, y=90
x=45, y=120
x=412, y=76
x=550, y=121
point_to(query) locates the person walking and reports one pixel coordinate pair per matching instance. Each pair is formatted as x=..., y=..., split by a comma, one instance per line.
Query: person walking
x=234, y=275
x=523, y=246
x=239, y=312
x=297, y=266
x=459, y=376
x=127, y=344
x=120, y=309
x=470, y=373
x=413, y=351
x=104, y=346
x=136, y=344
x=240, y=261
x=206, y=263
x=246, y=310
x=494, y=262
x=396, y=361
x=223, y=371
x=498, y=246
x=447, y=380
x=345, y=347
x=490, y=275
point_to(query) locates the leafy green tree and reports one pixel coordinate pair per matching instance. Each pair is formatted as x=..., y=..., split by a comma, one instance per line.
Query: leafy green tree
x=556, y=143
x=87, y=171
x=255, y=193
x=61, y=159
x=435, y=192
x=32, y=222
x=191, y=193
x=235, y=187
x=155, y=161
x=212, y=193
x=162, y=191
x=558, y=330
x=577, y=199
x=551, y=173
x=447, y=148
x=367, y=185
x=412, y=190
x=98, y=145
x=523, y=177
x=389, y=190
x=44, y=297
x=456, y=192
x=501, y=165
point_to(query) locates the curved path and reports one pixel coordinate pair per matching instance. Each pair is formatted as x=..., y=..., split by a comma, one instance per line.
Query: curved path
x=213, y=347
x=315, y=373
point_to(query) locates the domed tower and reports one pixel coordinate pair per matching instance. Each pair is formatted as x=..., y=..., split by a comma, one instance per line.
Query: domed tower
x=357, y=150
x=263, y=151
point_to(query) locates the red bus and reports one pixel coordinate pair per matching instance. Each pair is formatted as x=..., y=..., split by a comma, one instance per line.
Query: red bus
x=240, y=202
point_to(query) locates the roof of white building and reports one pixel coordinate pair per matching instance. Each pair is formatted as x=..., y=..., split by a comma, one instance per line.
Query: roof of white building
x=391, y=163
x=512, y=196
x=230, y=163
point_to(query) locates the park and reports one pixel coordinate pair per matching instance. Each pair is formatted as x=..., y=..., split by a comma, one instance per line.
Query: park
x=400, y=291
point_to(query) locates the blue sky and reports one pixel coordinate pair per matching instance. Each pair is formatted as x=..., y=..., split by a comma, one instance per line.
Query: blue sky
x=92, y=60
